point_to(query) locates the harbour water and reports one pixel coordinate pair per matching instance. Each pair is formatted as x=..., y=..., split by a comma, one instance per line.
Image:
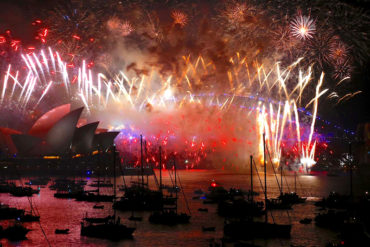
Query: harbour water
x=67, y=213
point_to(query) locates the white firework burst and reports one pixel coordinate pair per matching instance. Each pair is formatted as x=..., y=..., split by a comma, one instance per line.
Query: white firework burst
x=303, y=27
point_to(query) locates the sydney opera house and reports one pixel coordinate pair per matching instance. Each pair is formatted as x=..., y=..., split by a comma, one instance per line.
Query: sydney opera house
x=58, y=134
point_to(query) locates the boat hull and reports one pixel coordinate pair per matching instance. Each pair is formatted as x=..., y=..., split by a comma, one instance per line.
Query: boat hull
x=249, y=230
x=109, y=231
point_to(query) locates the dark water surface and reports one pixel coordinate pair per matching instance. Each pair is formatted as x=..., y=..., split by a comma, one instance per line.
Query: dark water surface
x=63, y=213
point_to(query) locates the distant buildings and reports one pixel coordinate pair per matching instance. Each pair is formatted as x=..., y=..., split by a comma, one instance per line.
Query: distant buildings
x=363, y=137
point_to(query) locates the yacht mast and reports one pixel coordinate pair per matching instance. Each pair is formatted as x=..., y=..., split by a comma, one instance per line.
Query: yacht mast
x=264, y=166
x=251, y=157
x=114, y=179
x=160, y=168
x=141, y=160
x=174, y=164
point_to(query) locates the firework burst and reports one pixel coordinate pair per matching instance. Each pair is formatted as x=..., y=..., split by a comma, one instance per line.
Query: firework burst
x=179, y=18
x=303, y=27
x=338, y=51
x=118, y=27
x=318, y=50
x=236, y=13
x=342, y=69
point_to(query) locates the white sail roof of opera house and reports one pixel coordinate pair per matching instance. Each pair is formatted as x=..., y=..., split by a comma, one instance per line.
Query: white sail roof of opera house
x=84, y=137
x=62, y=137
x=42, y=126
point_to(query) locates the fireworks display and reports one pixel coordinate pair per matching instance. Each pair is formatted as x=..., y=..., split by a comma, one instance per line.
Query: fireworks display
x=303, y=27
x=203, y=80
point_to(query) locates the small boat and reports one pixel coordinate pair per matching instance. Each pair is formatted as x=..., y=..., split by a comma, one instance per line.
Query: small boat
x=216, y=195
x=98, y=219
x=171, y=189
x=275, y=203
x=198, y=192
x=71, y=194
x=38, y=181
x=169, y=214
x=6, y=187
x=246, y=229
x=81, y=182
x=240, y=208
x=305, y=221
x=140, y=198
x=65, y=185
x=61, y=231
x=20, y=191
x=96, y=206
x=101, y=185
x=90, y=191
x=7, y=212
x=334, y=200
x=135, y=218
x=203, y=209
x=112, y=230
x=332, y=219
x=169, y=217
x=208, y=229
x=91, y=197
x=249, y=229
x=206, y=201
x=291, y=198
x=14, y=232
x=28, y=217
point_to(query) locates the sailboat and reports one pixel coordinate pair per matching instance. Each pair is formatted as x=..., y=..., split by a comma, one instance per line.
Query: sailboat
x=112, y=228
x=139, y=196
x=92, y=197
x=292, y=197
x=14, y=232
x=20, y=191
x=238, y=206
x=248, y=228
x=29, y=217
x=7, y=212
x=169, y=214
